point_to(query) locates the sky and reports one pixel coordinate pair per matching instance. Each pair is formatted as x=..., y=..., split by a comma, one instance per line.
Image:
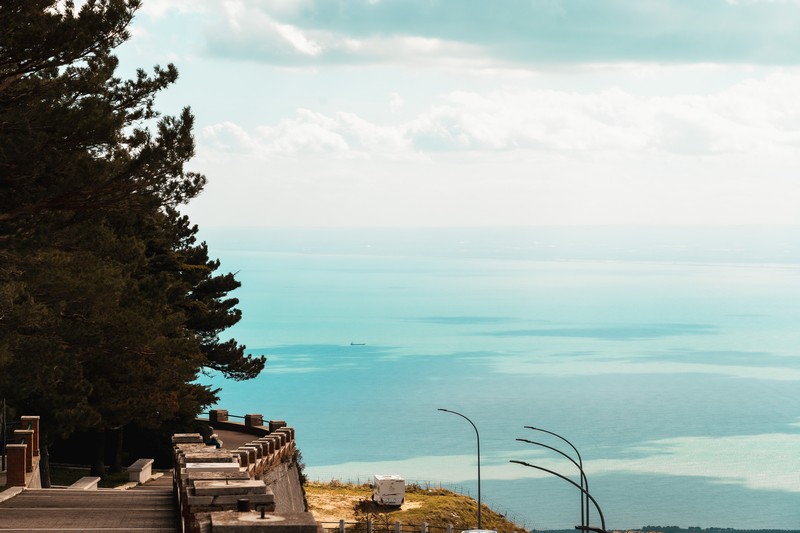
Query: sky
x=429, y=113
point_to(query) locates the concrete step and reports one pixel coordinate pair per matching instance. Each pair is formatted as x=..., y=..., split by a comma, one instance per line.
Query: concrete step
x=107, y=510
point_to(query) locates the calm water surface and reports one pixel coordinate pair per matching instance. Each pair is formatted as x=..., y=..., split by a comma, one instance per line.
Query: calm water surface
x=672, y=361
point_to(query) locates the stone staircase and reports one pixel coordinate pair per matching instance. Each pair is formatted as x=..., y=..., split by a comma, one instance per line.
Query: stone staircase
x=146, y=508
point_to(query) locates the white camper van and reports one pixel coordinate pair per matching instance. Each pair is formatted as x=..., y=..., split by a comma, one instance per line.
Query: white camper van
x=388, y=490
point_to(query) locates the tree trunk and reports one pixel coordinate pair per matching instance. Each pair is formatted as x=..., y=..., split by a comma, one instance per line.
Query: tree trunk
x=99, y=460
x=116, y=464
x=44, y=466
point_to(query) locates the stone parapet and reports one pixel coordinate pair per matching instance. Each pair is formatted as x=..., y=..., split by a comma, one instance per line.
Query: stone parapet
x=32, y=422
x=17, y=464
x=218, y=415
x=253, y=420
x=221, y=490
x=26, y=436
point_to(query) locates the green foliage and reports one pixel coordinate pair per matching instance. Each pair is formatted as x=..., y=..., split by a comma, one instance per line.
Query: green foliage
x=109, y=308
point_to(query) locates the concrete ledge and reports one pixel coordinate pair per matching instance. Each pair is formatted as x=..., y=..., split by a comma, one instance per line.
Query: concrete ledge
x=10, y=493
x=141, y=470
x=85, y=483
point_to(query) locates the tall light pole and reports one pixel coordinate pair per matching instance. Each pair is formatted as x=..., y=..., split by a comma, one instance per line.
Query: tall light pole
x=602, y=529
x=584, y=481
x=580, y=466
x=477, y=435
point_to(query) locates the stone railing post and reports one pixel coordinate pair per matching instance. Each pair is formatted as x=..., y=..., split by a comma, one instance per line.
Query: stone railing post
x=341, y=526
x=398, y=527
x=275, y=424
x=26, y=436
x=16, y=468
x=33, y=422
x=253, y=420
x=218, y=415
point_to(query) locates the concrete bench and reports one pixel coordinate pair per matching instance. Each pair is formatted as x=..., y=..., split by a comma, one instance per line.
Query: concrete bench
x=141, y=471
x=85, y=483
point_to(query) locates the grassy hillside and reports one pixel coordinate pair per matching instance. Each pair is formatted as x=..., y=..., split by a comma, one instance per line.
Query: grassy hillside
x=331, y=502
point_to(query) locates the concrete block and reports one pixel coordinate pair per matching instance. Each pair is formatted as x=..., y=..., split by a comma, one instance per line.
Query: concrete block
x=141, y=471
x=243, y=456
x=251, y=522
x=85, y=483
x=258, y=447
x=229, y=500
x=216, y=456
x=187, y=438
x=218, y=415
x=16, y=467
x=212, y=467
x=253, y=420
x=195, y=476
x=275, y=424
x=215, y=487
x=199, y=501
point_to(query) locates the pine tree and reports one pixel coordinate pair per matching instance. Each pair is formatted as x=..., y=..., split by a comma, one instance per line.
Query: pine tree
x=109, y=308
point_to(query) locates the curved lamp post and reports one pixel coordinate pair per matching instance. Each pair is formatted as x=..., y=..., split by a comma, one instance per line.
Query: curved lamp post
x=477, y=435
x=602, y=529
x=584, y=480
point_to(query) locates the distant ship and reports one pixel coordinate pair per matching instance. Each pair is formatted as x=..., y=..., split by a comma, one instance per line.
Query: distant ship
x=358, y=343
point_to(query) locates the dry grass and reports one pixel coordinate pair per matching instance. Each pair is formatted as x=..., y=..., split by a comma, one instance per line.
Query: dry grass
x=331, y=502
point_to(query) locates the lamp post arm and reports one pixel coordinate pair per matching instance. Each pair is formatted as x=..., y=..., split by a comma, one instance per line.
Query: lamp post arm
x=568, y=480
x=584, y=480
x=478, y=437
x=580, y=461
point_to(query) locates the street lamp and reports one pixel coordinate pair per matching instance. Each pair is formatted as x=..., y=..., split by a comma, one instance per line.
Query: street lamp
x=580, y=467
x=477, y=435
x=584, y=481
x=602, y=529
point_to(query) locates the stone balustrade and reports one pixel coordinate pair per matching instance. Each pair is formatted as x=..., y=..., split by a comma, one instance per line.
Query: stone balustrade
x=221, y=490
x=23, y=455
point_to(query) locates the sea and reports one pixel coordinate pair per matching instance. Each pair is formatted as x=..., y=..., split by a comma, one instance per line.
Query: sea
x=669, y=357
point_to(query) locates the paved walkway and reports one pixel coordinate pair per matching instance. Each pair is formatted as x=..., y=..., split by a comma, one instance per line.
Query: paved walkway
x=233, y=439
x=143, y=509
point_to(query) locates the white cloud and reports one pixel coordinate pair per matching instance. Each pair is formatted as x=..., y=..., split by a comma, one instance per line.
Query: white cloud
x=395, y=102
x=342, y=135
x=255, y=31
x=756, y=116
x=298, y=39
x=228, y=137
x=160, y=8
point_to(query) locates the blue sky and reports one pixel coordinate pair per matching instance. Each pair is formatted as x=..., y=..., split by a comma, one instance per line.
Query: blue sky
x=484, y=113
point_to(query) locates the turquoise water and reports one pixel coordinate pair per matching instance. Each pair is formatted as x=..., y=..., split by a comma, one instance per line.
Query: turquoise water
x=669, y=357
